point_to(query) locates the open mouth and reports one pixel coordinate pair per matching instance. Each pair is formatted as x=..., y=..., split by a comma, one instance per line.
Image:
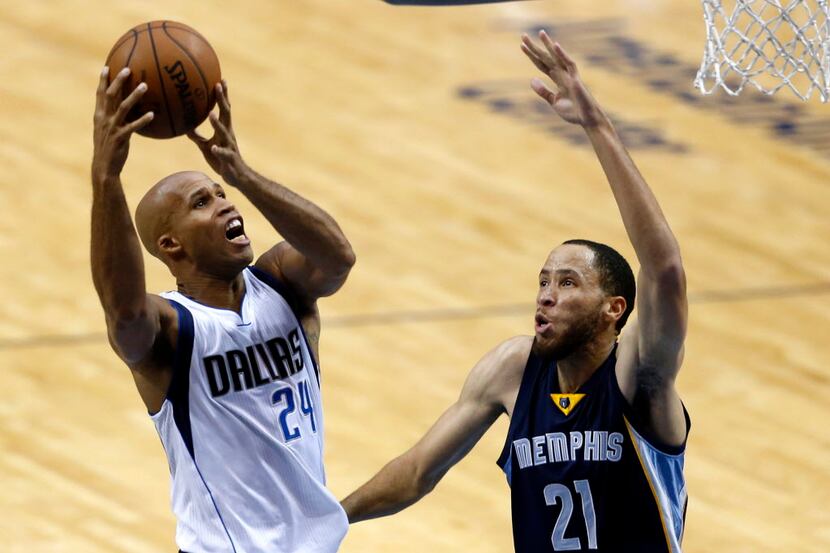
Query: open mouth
x=235, y=231
x=542, y=325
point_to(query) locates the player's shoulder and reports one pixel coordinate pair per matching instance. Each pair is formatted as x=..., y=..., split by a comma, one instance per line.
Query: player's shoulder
x=506, y=360
x=514, y=350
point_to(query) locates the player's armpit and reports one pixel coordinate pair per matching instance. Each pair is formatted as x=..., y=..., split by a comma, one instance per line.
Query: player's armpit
x=409, y=477
x=650, y=391
x=306, y=281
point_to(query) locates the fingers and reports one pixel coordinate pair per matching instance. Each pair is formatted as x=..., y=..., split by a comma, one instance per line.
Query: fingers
x=102, y=84
x=557, y=53
x=542, y=90
x=224, y=153
x=224, y=103
x=569, y=62
x=197, y=138
x=538, y=54
x=220, y=129
x=129, y=102
x=138, y=124
x=114, y=90
x=225, y=91
x=536, y=61
x=544, y=58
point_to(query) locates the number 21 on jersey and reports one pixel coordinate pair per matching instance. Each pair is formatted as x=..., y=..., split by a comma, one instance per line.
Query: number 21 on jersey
x=559, y=493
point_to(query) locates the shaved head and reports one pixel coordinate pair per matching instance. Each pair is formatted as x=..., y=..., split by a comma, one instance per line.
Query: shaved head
x=153, y=216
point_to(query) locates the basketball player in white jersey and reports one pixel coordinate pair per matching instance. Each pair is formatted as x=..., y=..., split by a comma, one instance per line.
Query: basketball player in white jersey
x=226, y=364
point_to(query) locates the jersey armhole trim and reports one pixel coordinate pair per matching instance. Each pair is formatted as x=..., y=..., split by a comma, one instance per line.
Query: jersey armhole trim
x=178, y=394
x=279, y=287
x=524, y=390
x=634, y=420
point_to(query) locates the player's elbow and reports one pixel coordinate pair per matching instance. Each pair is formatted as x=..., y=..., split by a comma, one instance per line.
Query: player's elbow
x=423, y=480
x=132, y=333
x=672, y=278
x=668, y=276
x=422, y=485
x=347, y=258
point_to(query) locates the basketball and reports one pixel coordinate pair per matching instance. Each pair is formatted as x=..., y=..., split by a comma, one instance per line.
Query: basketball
x=181, y=71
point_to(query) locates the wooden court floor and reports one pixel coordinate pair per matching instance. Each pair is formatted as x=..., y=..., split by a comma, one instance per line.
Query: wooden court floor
x=416, y=129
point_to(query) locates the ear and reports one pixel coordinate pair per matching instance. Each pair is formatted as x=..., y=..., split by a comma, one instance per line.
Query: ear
x=170, y=247
x=616, y=307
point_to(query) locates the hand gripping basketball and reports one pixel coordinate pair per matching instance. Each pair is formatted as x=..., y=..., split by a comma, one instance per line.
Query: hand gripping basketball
x=111, y=132
x=572, y=100
x=221, y=151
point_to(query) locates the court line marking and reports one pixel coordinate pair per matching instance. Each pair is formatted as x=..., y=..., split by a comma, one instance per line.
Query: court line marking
x=448, y=314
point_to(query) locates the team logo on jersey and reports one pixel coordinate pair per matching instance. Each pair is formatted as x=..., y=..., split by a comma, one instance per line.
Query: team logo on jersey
x=566, y=402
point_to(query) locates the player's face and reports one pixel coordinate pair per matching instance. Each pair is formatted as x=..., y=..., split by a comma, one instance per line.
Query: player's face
x=210, y=229
x=569, y=302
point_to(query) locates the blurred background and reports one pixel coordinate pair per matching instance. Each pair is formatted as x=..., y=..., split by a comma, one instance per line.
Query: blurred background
x=417, y=130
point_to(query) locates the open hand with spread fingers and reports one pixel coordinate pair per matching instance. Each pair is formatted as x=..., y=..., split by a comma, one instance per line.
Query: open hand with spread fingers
x=221, y=150
x=111, y=130
x=571, y=99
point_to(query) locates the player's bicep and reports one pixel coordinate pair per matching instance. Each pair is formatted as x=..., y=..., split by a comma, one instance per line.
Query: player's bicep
x=290, y=266
x=480, y=403
x=134, y=339
x=450, y=439
x=662, y=310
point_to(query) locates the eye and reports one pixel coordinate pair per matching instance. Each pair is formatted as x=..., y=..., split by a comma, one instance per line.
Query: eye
x=543, y=283
x=201, y=202
x=221, y=193
x=568, y=282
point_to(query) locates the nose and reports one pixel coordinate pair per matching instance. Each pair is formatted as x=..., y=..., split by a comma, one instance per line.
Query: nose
x=225, y=206
x=545, y=298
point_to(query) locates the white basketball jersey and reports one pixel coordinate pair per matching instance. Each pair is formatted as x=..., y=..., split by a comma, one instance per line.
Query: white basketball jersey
x=242, y=427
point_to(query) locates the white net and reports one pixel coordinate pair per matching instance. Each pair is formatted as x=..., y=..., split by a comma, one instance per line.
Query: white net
x=770, y=44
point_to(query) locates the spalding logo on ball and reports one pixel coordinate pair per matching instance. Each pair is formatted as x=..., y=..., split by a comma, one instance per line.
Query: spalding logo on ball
x=181, y=71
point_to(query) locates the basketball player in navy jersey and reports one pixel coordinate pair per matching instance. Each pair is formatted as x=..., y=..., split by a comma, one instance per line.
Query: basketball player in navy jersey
x=594, y=453
x=227, y=363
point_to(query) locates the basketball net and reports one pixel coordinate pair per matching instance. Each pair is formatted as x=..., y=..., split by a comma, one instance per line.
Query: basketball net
x=769, y=44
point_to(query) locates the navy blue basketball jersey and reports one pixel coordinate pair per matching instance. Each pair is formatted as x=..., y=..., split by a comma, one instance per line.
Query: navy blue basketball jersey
x=584, y=473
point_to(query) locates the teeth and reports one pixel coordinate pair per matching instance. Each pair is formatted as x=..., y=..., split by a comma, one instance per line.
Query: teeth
x=233, y=224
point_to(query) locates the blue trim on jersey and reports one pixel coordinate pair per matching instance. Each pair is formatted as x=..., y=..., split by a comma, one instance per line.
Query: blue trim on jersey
x=274, y=283
x=179, y=391
x=311, y=355
x=523, y=398
x=179, y=394
x=215, y=506
x=665, y=474
x=282, y=290
x=642, y=428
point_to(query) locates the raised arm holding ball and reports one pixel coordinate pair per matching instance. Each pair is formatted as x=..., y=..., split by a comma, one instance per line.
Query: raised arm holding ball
x=227, y=364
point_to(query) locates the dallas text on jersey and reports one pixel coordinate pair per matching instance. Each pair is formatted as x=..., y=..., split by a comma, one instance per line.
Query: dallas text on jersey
x=239, y=370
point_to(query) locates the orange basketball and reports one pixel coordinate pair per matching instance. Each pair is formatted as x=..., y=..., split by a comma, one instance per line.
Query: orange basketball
x=181, y=71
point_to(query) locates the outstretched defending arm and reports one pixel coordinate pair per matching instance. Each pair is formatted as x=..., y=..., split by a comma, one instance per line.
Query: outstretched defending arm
x=134, y=319
x=651, y=351
x=316, y=257
x=408, y=478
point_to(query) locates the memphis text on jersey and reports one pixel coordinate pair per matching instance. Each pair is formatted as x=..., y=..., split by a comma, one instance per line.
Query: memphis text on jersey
x=559, y=447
